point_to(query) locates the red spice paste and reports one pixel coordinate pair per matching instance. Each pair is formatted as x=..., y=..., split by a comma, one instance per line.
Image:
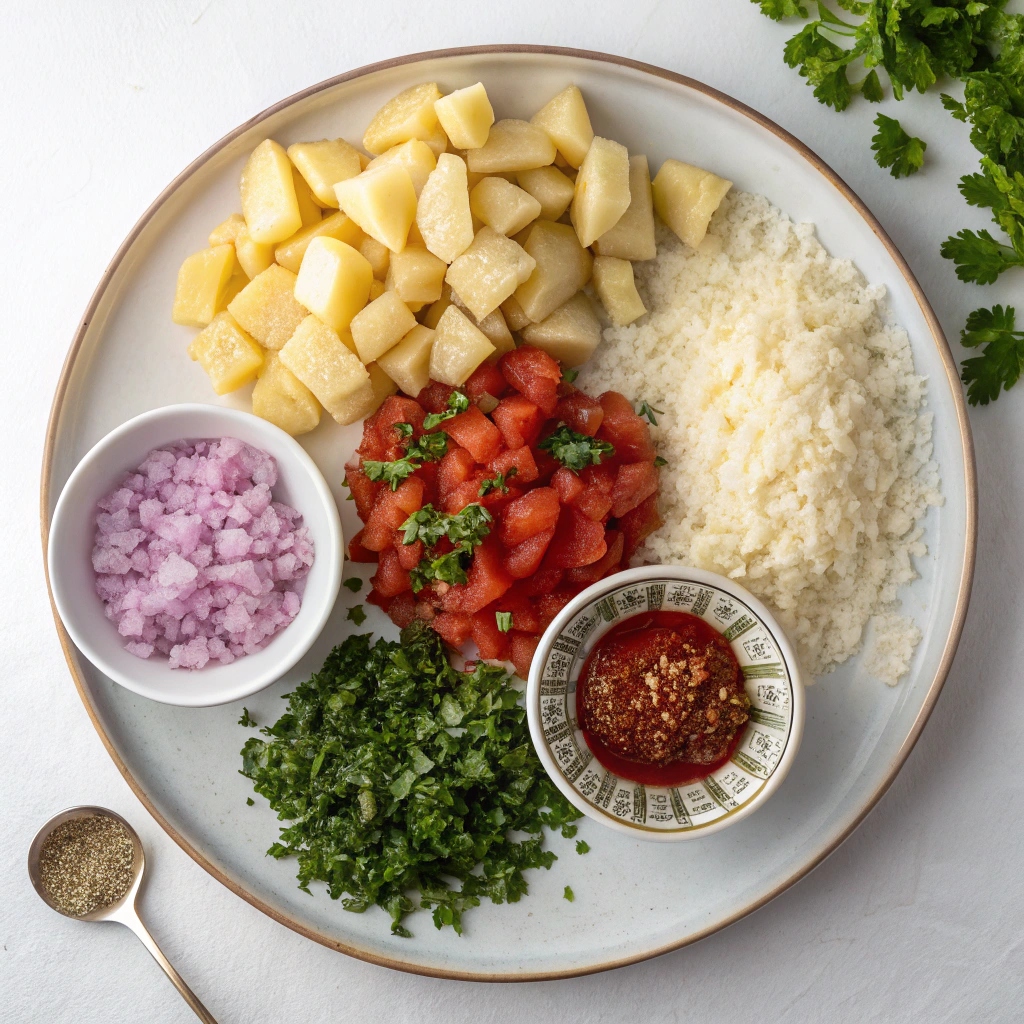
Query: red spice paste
x=660, y=699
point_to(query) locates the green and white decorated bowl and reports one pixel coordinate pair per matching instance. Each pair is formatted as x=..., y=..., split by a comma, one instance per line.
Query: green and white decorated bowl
x=764, y=752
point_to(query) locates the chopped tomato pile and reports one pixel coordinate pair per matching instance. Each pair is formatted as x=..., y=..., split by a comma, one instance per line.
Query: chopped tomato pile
x=551, y=530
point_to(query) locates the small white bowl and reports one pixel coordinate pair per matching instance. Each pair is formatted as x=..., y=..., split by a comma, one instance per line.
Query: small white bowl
x=73, y=527
x=773, y=683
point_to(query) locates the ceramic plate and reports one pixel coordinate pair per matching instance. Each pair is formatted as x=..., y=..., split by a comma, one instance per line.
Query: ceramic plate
x=128, y=357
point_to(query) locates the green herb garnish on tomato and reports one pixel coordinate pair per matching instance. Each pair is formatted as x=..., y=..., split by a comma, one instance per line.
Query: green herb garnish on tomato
x=576, y=451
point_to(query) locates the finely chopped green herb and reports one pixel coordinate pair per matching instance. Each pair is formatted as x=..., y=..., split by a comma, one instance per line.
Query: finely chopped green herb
x=400, y=774
x=87, y=863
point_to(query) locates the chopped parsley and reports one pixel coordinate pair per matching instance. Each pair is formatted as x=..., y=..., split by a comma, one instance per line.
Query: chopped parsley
x=659, y=461
x=582, y=846
x=406, y=784
x=464, y=530
x=249, y=801
x=903, y=154
x=354, y=583
x=457, y=402
x=576, y=451
x=428, y=448
x=247, y=720
x=568, y=376
x=568, y=894
x=356, y=614
x=504, y=620
x=497, y=483
x=649, y=411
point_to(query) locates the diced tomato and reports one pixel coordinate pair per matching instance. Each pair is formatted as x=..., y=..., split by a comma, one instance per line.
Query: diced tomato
x=486, y=580
x=568, y=484
x=521, y=651
x=547, y=466
x=364, y=491
x=634, y=482
x=595, y=501
x=533, y=373
x=581, y=412
x=578, y=540
x=390, y=578
x=403, y=609
x=391, y=509
x=533, y=513
x=518, y=419
x=476, y=433
x=370, y=447
x=465, y=494
x=454, y=469
x=524, y=615
x=492, y=642
x=428, y=474
x=519, y=459
x=628, y=432
x=358, y=553
x=375, y=597
x=639, y=523
x=434, y=397
x=549, y=605
x=525, y=558
x=409, y=555
x=486, y=379
x=586, y=574
x=398, y=409
x=542, y=582
x=452, y=627
x=409, y=496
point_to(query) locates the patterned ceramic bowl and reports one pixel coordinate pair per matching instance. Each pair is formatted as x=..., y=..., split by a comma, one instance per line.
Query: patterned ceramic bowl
x=765, y=750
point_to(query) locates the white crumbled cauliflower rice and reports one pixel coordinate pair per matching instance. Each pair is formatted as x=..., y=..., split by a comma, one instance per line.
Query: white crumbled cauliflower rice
x=799, y=457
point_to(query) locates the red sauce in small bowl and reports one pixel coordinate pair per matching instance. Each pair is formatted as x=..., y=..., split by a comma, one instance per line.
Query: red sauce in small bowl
x=661, y=700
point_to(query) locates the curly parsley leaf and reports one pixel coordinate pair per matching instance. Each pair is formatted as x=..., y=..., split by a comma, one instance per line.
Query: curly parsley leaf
x=356, y=614
x=1002, y=359
x=389, y=806
x=353, y=583
x=576, y=451
x=903, y=154
x=497, y=483
x=504, y=621
x=779, y=9
x=457, y=402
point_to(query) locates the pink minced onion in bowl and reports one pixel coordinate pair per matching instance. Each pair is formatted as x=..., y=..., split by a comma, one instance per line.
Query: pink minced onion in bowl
x=194, y=560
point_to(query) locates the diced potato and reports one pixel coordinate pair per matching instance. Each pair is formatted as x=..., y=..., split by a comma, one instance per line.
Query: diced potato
x=228, y=355
x=202, y=280
x=475, y=177
x=377, y=289
x=381, y=385
x=512, y=146
x=415, y=156
x=416, y=275
x=380, y=325
x=364, y=162
x=466, y=116
x=503, y=206
x=309, y=209
x=235, y=284
x=562, y=268
x=493, y=327
x=437, y=141
x=632, y=238
x=269, y=205
x=281, y=398
x=489, y=271
x=253, y=257
x=266, y=307
x=551, y=188
x=686, y=197
x=289, y=253
x=513, y=314
x=409, y=115
x=323, y=164
x=319, y=358
x=377, y=255
x=433, y=314
x=333, y=282
x=616, y=288
x=408, y=363
x=602, y=189
x=382, y=201
x=565, y=119
x=443, y=216
x=459, y=348
x=570, y=334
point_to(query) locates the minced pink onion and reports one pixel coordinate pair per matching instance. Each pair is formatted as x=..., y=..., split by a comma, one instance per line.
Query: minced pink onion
x=193, y=558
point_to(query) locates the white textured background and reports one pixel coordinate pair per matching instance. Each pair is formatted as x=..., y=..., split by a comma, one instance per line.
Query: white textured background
x=917, y=917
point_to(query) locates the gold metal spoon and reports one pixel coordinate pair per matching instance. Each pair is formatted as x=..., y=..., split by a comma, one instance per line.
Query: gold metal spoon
x=124, y=910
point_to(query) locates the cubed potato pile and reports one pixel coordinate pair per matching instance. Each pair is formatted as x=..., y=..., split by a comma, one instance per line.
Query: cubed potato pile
x=351, y=275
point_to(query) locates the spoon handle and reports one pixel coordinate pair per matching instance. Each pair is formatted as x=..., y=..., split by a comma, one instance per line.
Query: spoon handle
x=133, y=921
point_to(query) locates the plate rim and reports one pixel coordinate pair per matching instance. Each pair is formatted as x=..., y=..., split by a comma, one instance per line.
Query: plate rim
x=969, y=470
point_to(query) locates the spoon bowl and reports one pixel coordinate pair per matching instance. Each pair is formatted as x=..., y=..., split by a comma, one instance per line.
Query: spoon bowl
x=123, y=910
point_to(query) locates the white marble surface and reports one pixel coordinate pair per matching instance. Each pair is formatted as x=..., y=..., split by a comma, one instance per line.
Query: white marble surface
x=917, y=916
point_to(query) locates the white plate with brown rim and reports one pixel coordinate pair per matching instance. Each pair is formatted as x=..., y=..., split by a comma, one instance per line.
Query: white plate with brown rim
x=127, y=357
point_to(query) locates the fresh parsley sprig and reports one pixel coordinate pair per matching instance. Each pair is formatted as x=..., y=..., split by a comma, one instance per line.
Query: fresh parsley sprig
x=465, y=530
x=1002, y=358
x=457, y=402
x=576, y=451
x=427, y=448
x=903, y=154
x=497, y=482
